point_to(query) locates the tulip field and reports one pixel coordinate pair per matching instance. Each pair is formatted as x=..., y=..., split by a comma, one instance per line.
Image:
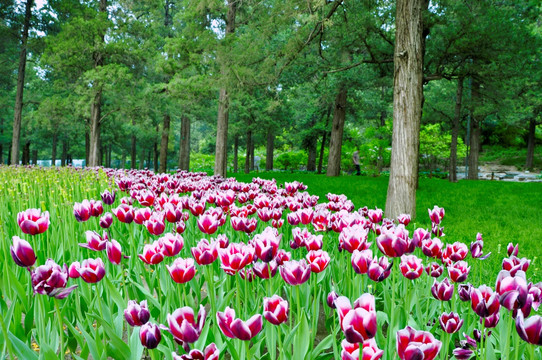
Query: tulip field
x=124, y=264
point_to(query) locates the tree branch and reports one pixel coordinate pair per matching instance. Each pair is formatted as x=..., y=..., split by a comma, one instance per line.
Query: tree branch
x=358, y=64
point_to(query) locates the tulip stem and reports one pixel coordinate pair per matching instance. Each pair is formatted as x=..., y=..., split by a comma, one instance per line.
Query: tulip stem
x=392, y=315
x=517, y=347
x=7, y=343
x=279, y=341
x=210, y=288
x=247, y=347
x=61, y=329
x=507, y=342
x=238, y=292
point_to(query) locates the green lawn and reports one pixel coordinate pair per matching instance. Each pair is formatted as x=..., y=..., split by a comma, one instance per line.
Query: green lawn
x=502, y=211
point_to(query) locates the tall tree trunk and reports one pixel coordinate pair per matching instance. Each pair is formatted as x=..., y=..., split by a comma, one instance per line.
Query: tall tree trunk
x=475, y=132
x=20, y=86
x=109, y=155
x=184, y=148
x=221, y=151
x=407, y=109
x=133, y=150
x=94, y=158
x=337, y=129
x=1, y=137
x=35, y=157
x=323, y=145
x=26, y=153
x=269, y=149
x=155, y=151
x=531, y=142
x=248, y=146
x=149, y=158
x=64, y=154
x=54, y=144
x=311, y=150
x=9, y=156
x=455, y=131
x=164, y=144
x=142, y=159
x=123, y=160
x=236, y=154
x=87, y=146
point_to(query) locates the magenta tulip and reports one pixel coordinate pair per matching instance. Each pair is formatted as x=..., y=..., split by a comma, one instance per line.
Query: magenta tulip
x=51, y=279
x=450, y=323
x=94, y=241
x=150, y=335
x=411, y=266
x=295, y=272
x=354, y=238
x=266, y=244
x=182, y=270
x=442, y=291
x=183, y=324
x=152, y=253
x=529, y=329
x=137, y=314
x=92, y=270
x=436, y=215
x=211, y=352
x=358, y=323
x=318, y=260
x=434, y=270
x=205, y=253
x=458, y=271
x=235, y=328
x=265, y=270
x=172, y=244
x=141, y=215
x=369, y=350
x=416, y=345
x=81, y=210
x=484, y=301
x=380, y=269
x=106, y=220
x=114, y=251
x=361, y=260
x=108, y=197
x=33, y=221
x=22, y=252
x=393, y=242
x=124, y=213
x=235, y=257
x=432, y=247
x=275, y=309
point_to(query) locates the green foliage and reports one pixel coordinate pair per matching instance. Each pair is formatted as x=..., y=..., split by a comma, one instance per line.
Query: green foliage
x=201, y=162
x=435, y=146
x=292, y=160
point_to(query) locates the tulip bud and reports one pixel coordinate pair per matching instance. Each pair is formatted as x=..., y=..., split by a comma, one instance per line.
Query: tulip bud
x=150, y=335
x=108, y=198
x=106, y=220
x=92, y=270
x=22, y=253
x=451, y=323
x=275, y=309
x=114, y=251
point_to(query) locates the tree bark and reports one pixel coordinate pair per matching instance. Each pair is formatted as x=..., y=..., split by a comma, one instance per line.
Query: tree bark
x=236, y=154
x=142, y=159
x=26, y=153
x=184, y=148
x=407, y=109
x=35, y=157
x=87, y=147
x=155, y=151
x=221, y=151
x=248, y=146
x=323, y=145
x=337, y=129
x=53, y=149
x=64, y=154
x=475, y=132
x=269, y=149
x=164, y=144
x=531, y=142
x=133, y=150
x=94, y=158
x=1, y=144
x=455, y=131
x=311, y=152
x=15, y=141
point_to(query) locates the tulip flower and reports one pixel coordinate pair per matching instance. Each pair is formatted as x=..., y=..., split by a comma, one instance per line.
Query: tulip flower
x=211, y=352
x=275, y=309
x=51, y=279
x=436, y=214
x=137, y=314
x=535, y=290
x=94, y=241
x=73, y=270
x=432, y=247
x=512, y=249
x=393, y=242
x=357, y=323
x=404, y=219
x=369, y=350
x=205, y=253
x=330, y=300
x=455, y=252
x=32, y=221
x=222, y=241
x=96, y=208
x=529, y=329
x=293, y=219
x=513, y=290
x=180, y=227
x=411, y=266
x=22, y=252
x=464, y=290
x=155, y=225
x=458, y=271
x=172, y=244
x=434, y=270
x=81, y=210
x=491, y=321
x=182, y=270
x=265, y=270
x=208, y=223
x=266, y=244
x=196, y=208
x=152, y=253
x=484, y=301
x=299, y=235
x=107, y=197
x=124, y=212
x=295, y=272
x=114, y=251
x=306, y=215
x=442, y=291
x=420, y=235
x=361, y=260
x=141, y=215
x=92, y=270
x=375, y=215
x=513, y=264
x=277, y=224
x=413, y=344
x=354, y=238
x=235, y=257
x=106, y=220
x=235, y=328
x=380, y=269
x=150, y=335
x=146, y=198
x=450, y=323
x=463, y=354
x=318, y=260
x=172, y=213
x=184, y=326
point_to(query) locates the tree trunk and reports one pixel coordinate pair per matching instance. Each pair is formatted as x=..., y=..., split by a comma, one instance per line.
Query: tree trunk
x=123, y=160
x=142, y=159
x=149, y=158
x=133, y=150
x=155, y=151
x=221, y=151
x=1, y=137
x=26, y=153
x=236, y=154
x=87, y=146
x=380, y=159
x=248, y=146
x=311, y=151
x=35, y=157
x=337, y=129
x=269, y=149
x=109, y=155
x=407, y=109
x=455, y=131
x=531, y=142
x=184, y=148
x=164, y=144
x=64, y=154
x=323, y=145
x=475, y=132
x=20, y=86
x=94, y=158
x=53, y=149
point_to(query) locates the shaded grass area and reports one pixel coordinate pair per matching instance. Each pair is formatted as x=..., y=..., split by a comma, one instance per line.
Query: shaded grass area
x=502, y=211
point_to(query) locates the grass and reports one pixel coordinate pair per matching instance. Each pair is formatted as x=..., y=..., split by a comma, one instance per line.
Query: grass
x=502, y=211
